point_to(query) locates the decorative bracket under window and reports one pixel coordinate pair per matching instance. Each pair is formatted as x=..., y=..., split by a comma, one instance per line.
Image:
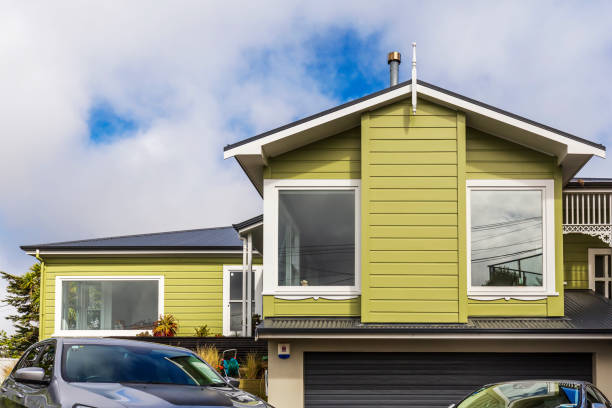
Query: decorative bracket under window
x=601, y=231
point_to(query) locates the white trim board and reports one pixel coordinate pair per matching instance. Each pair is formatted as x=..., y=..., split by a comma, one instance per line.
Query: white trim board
x=548, y=245
x=270, y=280
x=57, y=331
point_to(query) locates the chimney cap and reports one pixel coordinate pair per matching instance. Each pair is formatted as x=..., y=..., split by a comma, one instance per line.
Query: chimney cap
x=394, y=56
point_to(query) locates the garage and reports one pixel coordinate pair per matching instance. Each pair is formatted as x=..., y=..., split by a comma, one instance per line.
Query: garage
x=385, y=380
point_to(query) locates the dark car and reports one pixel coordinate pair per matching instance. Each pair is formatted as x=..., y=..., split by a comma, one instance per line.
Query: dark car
x=536, y=394
x=112, y=373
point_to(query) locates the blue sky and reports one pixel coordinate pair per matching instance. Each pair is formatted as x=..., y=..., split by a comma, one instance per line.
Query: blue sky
x=114, y=121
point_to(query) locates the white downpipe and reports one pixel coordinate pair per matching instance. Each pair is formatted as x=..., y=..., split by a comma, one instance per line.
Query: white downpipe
x=249, y=313
x=244, y=285
x=414, y=79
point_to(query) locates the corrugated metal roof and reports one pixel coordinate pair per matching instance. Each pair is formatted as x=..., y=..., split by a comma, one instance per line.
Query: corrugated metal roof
x=584, y=312
x=223, y=238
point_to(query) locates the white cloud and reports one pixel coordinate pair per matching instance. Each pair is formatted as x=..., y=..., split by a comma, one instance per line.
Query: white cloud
x=198, y=73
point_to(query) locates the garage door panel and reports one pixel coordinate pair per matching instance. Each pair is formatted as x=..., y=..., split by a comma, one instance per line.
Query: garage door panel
x=425, y=380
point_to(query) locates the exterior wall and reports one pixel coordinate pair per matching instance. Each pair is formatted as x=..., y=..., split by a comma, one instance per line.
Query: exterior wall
x=412, y=166
x=310, y=307
x=576, y=261
x=286, y=377
x=193, y=290
x=489, y=157
x=335, y=157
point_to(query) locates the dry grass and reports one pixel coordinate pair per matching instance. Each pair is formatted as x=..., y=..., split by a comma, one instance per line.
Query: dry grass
x=252, y=366
x=210, y=354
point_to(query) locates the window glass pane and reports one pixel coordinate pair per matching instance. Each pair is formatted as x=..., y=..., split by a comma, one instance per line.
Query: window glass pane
x=109, y=305
x=235, y=285
x=29, y=359
x=316, y=238
x=236, y=316
x=506, y=237
x=599, y=266
x=600, y=287
x=46, y=361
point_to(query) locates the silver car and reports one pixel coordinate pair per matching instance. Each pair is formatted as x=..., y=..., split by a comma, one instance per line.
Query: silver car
x=112, y=373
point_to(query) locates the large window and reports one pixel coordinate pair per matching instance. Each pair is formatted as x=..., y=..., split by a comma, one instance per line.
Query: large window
x=509, y=239
x=102, y=304
x=314, y=236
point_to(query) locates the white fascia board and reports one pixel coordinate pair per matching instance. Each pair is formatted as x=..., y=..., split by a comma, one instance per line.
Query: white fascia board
x=137, y=252
x=573, y=146
x=255, y=147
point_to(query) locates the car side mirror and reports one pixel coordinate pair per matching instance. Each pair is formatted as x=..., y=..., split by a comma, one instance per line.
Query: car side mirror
x=598, y=405
x=236, y=383
x=34, y=375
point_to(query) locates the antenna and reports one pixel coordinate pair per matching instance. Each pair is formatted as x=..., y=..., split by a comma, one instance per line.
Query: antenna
x=414, y=79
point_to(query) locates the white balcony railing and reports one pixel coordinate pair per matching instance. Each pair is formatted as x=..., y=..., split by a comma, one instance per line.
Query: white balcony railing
x=588, y=212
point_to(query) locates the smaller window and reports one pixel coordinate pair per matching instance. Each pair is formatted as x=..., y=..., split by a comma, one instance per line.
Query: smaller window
x=47, y=360
x=29, y=359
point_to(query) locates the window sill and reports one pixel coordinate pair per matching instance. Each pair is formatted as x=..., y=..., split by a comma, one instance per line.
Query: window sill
x=98, y=333
x=508, y=296
x=314, y=294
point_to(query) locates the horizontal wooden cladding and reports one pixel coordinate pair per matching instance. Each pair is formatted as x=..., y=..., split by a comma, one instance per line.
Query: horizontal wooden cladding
x=509, y=167
x=433, y=255
x=335, y=157
x=488, y=309
x=393, y=181
x=414, y=157
x=413, y=281
x=413, y=219
x=412, y=207
x=575, y=259
x=414, y=268
x=417, y=294
x=409, y=194
x=410, y=244
x=406, y=170
x=403, y=317
x=415, y=306
x=394, y=146
x=407, y=121
x=429, y=134
x=312, y=307
x=424, y=108
x=404, y=231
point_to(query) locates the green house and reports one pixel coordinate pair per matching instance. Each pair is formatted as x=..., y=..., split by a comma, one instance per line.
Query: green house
x=418, y=244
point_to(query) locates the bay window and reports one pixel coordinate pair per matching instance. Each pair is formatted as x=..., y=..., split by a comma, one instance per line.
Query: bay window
x=313, y=234
x=94, y=305
x=510, y=228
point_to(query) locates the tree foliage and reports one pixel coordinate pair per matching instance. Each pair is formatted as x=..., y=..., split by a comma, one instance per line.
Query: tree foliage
x=23, y=293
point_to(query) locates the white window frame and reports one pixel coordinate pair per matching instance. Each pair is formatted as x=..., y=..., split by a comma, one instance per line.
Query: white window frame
x=547, y=187
x=272, y=187
x=258, y=282
x=598, y=251
x=59, y=280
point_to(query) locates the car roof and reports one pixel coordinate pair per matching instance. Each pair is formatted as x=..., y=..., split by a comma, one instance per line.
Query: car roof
x=117, y=342
x=556, y=380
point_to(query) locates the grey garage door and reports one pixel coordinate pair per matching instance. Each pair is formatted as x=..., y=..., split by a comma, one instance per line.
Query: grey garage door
x=385, y=380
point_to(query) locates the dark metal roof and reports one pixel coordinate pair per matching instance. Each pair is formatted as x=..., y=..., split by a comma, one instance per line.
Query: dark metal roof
x=589, y=182
x=248, y=223
x=403, y=84
x=585, y=312
x=222, y=238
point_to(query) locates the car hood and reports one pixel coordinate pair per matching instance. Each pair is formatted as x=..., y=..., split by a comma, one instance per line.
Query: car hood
x=162, y=395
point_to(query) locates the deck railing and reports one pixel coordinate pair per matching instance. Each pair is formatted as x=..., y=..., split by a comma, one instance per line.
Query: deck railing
x=588, y=212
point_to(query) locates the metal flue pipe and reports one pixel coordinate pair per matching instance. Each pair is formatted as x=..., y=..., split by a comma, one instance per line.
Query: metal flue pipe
x=394, y=59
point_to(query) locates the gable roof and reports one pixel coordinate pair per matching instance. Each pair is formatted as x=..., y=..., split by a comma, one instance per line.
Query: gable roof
x=219, y=239
x=572, y=151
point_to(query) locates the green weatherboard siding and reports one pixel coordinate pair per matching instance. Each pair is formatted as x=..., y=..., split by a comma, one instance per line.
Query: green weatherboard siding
x=310, y=307
x=410, y=196
x=489, y=157
x=576, y=260
x=193, y=290
x=335, y=157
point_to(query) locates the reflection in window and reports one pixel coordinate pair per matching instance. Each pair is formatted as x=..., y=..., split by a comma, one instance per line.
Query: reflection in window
x=506, y=237
x=109, y=305
x=235, y=299
x=316, y=238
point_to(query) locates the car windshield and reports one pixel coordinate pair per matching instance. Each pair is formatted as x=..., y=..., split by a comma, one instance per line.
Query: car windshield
x=126, y=364
x=527, y=394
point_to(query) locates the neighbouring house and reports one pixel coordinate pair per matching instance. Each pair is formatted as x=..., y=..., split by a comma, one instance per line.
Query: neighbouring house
x=418, y=244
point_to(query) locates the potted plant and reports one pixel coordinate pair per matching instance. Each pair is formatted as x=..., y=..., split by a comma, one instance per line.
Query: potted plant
x=251, y=379
x=166, y=326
